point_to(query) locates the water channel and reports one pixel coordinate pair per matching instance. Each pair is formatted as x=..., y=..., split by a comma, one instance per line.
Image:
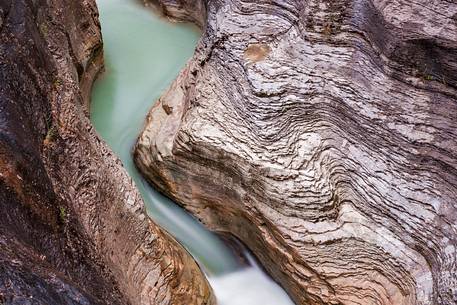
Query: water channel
x=143, y=54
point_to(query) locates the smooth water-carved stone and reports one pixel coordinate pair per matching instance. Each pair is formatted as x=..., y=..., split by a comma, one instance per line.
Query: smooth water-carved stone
x=324, y=135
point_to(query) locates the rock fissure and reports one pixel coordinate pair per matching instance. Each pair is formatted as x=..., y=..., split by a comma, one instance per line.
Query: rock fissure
x=73, y=223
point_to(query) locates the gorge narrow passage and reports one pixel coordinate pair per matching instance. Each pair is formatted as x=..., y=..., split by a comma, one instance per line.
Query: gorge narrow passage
x=143, y=54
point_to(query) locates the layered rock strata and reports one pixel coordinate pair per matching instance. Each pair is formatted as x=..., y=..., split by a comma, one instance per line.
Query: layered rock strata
x=73, y=229
x=323, y=134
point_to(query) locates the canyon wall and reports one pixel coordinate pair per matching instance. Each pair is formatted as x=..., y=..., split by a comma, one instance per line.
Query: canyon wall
x=73, y=228
x=323, y=134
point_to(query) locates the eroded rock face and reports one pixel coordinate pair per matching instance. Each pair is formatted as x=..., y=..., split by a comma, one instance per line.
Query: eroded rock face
x=73, y=229
x=324, y=135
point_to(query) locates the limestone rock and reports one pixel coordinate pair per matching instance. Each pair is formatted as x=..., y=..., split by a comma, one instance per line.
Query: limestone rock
x=323, y=134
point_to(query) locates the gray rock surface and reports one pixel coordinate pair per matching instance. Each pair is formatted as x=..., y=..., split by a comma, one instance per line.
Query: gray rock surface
x=323, y=134
x=73, y=229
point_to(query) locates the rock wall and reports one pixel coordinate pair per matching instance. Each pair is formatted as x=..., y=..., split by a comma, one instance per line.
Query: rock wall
x=73, y=229
x=323, y=134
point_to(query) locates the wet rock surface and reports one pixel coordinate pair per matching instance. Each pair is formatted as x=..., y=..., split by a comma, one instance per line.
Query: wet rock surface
x=323, y=134
x=73, y=229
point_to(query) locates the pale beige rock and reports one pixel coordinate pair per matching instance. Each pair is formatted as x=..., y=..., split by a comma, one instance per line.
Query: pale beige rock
x=324, y=135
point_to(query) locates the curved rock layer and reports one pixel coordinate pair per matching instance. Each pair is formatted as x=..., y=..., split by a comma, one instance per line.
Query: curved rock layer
x=73, y=228
x=323, y=134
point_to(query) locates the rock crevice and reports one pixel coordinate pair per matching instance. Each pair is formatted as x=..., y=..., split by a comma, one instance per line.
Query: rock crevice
x=73, y=228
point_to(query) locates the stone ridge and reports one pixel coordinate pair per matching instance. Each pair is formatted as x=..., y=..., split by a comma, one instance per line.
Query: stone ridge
x=323, y=134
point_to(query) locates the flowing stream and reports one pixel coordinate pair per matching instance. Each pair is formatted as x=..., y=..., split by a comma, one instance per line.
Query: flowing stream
x=143, y=55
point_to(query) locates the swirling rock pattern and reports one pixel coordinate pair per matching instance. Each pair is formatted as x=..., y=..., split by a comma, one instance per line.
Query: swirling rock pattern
x=73, y=229
x=324, y=135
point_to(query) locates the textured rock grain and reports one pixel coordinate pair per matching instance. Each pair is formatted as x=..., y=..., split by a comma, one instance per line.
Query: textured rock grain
x=73, y=229
x=324, y=135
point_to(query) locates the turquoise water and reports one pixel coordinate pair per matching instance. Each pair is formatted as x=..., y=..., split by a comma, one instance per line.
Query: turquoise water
x=143, y=54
